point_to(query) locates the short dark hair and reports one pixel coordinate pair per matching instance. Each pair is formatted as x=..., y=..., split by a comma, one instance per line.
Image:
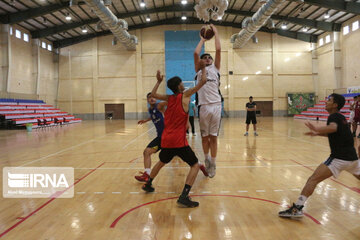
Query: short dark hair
x=250, y=97
x=148, y=95
x=205, y=54
x=173, y=83
x=339, y=100
x=355, y=96
x=358, y=95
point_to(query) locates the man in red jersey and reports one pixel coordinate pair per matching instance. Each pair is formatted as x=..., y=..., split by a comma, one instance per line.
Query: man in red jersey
x=174, y=142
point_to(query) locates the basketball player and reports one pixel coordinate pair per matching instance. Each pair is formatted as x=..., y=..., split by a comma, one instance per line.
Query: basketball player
x=192, y=113
x=209, y=101
x=156, y=111
x=343, y=154
x=173, y=142
x=250, y=116
x=356, y=120
x=352, y=115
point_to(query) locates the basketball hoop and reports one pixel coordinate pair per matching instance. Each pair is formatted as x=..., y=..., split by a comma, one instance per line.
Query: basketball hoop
x=211, y=9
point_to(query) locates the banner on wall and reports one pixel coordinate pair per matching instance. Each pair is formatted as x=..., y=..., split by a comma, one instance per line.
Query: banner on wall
x=353, y=89
x=298, y=102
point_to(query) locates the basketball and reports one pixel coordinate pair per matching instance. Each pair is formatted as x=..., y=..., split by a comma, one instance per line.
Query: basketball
x=207, y=32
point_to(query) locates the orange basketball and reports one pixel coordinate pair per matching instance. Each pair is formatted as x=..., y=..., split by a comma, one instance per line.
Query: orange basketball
x=207, y=32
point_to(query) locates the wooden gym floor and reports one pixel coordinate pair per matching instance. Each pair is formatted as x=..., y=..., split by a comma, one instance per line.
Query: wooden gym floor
x=256, y=177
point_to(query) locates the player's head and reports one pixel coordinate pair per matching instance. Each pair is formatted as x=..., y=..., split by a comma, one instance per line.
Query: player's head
x=335, y=101
x=250, y=98
x=176, y=85
x=208, y=58
x=355, y=98
x=150, y=99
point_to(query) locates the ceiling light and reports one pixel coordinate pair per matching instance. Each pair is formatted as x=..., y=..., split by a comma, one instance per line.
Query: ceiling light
x=148, y=18
x=142, y=4
x=183, y=2
x=327, y=15
x=245, y=78
x=68, y=17
x=219, y=17
x=305, y=29
x=183, y=18
x=284, y=26
x=84, y=30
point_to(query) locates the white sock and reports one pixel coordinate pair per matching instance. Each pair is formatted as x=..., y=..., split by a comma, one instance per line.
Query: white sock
x=301, y=200
x=213, y=159
x=148, y=170
x=247, y=132
x=207, y=156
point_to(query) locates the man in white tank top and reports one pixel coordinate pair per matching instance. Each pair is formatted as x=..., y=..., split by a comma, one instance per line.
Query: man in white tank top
x=209, y=102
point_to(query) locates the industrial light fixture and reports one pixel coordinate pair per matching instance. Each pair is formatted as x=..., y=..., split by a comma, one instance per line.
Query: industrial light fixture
x=148, y=19
x=84, y=30
x=183, y=17
x=219, y=17
x=183, y=2
x=327, y=15
x=284, y=26
x=142, y=4
x=305, y=29
x=68, y=17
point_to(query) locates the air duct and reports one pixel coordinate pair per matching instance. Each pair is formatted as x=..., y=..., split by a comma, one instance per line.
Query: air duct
x=117, y=26
x=255, y=23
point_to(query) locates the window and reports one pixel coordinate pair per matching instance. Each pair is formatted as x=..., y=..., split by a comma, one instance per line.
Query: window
x=11, y=32
x=355, y=26
x=327, y=39
x=43, y=45
x=18, y=33
x=321, y=42
x=346, y=30
x=26, y=37
x=49, y=47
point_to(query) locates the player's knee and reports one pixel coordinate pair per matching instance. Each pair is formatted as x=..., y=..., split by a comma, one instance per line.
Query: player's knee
x=147, y=152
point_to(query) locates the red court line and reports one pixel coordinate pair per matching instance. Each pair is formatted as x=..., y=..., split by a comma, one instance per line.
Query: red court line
x=342, y=184
x=46, y=203
x=209, y=195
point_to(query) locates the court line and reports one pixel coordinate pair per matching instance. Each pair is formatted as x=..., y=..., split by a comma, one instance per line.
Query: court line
x=83, y=143
x=46, y=203
x=354, y=189
x=113, y=224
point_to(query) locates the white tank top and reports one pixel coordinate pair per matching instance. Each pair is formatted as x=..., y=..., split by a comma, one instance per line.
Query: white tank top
x=209, y=93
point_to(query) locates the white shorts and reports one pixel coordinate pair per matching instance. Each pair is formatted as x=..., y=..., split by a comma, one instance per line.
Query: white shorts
x=337, y=165
x=210, y=119
x=352, y=115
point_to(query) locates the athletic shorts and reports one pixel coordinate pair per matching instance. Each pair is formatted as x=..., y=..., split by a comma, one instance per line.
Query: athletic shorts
x=251, y=118
x=185, y=153
x=356, y=119
x=337, y=165
x=155, y=144
x=210, y=119
x=351, y=117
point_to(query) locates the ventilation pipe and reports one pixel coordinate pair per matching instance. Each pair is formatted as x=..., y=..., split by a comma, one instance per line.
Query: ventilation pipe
x=117, y=26
x=252, y=25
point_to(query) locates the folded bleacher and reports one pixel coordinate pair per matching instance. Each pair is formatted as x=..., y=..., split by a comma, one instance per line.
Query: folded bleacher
x=16, y=113
x=318, y=112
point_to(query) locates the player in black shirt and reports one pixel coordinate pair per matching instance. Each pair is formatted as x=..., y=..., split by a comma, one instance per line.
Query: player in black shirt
x=343, y=154
x=250, y=116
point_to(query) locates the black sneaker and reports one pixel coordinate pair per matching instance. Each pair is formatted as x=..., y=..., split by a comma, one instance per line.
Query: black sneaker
x=359, y=135
x=148, y=188
x=354, y=134
x=294, y=211
x=186, y=202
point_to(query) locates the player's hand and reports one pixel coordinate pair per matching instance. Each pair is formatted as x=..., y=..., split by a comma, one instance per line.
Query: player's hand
x=202, y=64
x=214, y=29
x=159, y=77
x=141, y=122
x=312, y=134
x=201, y=38
x=310, y=126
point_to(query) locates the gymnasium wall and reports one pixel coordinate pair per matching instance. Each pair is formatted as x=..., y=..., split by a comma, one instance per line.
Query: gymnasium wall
x=23, y=73
x=100, y=73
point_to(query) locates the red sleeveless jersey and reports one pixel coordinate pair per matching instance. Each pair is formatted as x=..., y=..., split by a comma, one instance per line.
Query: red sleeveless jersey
x=357, y=110
x=174, y=134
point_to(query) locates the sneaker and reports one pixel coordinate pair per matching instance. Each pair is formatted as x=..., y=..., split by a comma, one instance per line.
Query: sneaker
x=186, y=202
x=147, y=188
x=294, y=211
x=202, y=168
x=144, y=177
x=207, y=164
x=354, y=134
x=359, y=135
x=255, y=134
x=194, y=134
x=246, y=134
x=212, y=170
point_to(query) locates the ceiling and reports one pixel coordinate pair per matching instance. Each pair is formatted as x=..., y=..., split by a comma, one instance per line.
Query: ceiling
x=46, y=18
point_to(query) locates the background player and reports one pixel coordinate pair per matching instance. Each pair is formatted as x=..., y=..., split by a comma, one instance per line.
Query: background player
x=250, y=116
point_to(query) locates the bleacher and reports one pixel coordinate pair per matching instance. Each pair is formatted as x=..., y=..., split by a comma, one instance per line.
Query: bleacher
x=318, y=112
x=16, y=113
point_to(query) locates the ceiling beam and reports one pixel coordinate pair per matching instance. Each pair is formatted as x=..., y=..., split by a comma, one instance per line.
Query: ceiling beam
x=321, y=25
x=32, y=13
x=174, y=21
x=341, y=5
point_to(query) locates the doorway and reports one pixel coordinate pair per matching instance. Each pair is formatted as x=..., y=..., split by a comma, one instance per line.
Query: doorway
x=264, y=108
x=115, y=111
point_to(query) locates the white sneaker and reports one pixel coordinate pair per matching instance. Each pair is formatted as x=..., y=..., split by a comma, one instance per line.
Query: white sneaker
x=246, y=134
x=212, y=169
x=207, y=165
x=255, y=134
x=194, y=134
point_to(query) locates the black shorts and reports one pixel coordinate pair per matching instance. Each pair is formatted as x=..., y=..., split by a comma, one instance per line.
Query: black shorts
x=155, y=144
x=251, y=118
x=185, y=153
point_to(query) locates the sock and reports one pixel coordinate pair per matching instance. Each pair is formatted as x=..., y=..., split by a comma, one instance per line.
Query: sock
x=301, y=200
x=148, y=170
x=213, y=159
x=247, y=132
x=186, y=190
x=207, y=156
